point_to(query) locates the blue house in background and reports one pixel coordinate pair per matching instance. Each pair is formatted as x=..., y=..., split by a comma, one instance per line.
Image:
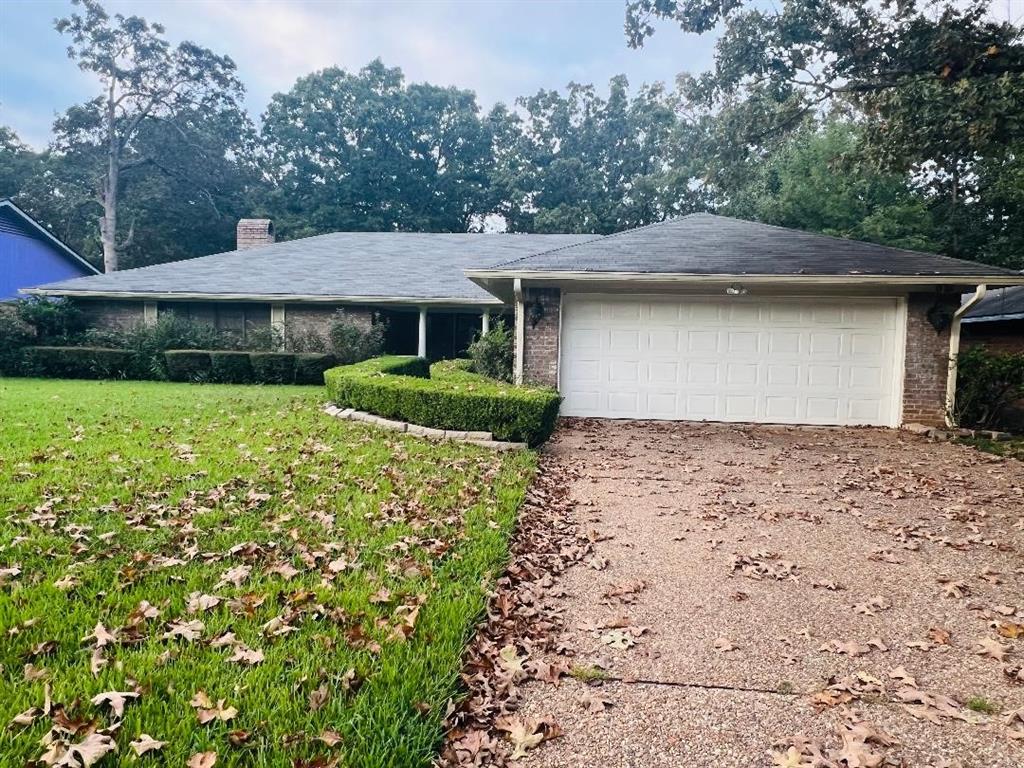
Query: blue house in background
x=30, y=255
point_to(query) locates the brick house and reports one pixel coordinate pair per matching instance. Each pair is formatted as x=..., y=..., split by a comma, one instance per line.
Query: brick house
x=697, y=318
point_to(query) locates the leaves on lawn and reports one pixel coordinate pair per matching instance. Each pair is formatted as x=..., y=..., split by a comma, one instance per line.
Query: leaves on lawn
x=146, y=743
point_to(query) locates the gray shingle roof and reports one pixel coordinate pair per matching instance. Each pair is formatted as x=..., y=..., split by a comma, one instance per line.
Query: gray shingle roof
x=339, y=265
x=998, y=304
x=704, y=244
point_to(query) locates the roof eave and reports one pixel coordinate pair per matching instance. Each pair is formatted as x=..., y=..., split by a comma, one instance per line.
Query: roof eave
x=66, y=249
x=288, y=298
x=482, y=277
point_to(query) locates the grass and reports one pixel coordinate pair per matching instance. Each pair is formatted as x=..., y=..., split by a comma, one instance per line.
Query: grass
x=982, y=705
x=115, y=493
x=587, y=673
x=1013, y=448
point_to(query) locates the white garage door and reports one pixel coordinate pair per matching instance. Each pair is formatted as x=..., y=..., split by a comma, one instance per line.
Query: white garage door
x=784, y=361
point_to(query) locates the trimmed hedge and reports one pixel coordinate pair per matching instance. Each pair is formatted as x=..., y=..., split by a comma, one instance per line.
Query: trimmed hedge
x=310, y=367
x=230, y=367
x=188, y=365
x=273, y=367
x=398, y=388
x=77, y=362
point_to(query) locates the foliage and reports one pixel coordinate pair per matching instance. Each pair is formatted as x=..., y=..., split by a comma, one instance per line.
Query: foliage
x=54, y=321
x=149, y=342
x=310, y=367
x=492, y=353
x=353, y=342
x=389, y=155
x=814, y=181
x=153, y=97
x=583, y=163
x=273, y=367
x=450, y=399
x=230, y=367
x=14, y=336
x=191, y=365
x=180, y=486
x=78, y=362
x=937, y=87
x=987, y=383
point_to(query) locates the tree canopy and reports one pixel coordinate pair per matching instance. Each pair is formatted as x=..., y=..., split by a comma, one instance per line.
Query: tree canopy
x=899, y=123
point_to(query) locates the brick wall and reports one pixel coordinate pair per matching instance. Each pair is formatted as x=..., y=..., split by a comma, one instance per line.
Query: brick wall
x=540, y=350
x=112, y=314
x=997, y=336
x=317, y=318
x=927, y=362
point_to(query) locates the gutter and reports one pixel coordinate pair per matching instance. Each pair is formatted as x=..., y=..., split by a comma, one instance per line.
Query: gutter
x=954, y=350
x=292, y=298
x=693, y=277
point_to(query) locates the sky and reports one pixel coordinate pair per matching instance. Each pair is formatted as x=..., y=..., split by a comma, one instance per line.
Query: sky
x=500, y=49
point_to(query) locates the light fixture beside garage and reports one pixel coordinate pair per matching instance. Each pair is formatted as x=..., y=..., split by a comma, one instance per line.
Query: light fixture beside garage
x=736, y=290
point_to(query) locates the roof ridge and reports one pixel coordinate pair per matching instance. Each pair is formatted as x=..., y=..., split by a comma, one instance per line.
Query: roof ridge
x=596, y=237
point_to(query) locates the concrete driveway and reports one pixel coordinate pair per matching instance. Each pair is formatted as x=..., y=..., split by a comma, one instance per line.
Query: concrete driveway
x=788, y=596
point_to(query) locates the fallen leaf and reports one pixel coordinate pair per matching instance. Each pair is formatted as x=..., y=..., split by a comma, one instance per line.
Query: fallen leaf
x=115, y=700
x=146, y=743
x=202, y=760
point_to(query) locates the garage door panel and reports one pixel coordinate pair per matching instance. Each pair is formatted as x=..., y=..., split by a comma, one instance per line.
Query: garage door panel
x=737, y=359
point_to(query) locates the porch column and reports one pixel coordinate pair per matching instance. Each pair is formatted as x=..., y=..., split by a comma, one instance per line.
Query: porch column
x=149, y=313
x=277, y=324
x=517, y=289
x=485, y=322
x=421, y=349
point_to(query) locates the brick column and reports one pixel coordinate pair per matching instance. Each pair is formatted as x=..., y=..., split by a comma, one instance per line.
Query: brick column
x=927, y=361
x=540, y=354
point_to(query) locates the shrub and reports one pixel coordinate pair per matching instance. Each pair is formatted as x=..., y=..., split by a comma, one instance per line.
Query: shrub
x=987, y=384
x=188, y=365
x=310, y=367
x=14, y=336
x=149, y=342
x=394, y=387
x=492, y=352
x=273, y=367
x=77, y=362
x=228, y=367
x=353, y=342
x=55, y=321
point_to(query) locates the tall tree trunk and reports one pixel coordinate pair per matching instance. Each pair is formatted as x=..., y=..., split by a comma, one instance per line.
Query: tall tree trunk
x=108, y=223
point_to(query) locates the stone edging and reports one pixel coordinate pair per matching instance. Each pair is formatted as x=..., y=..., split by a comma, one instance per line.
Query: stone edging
x=949, y=433
x=483, y=439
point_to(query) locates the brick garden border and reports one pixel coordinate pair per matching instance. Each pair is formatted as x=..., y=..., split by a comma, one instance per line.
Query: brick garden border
x=482, y=439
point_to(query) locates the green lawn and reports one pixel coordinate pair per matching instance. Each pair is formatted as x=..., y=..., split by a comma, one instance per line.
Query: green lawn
x=354, y=562
x=1010, y=448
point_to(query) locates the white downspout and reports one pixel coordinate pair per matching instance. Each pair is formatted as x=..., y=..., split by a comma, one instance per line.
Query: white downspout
x=517, y=289
x=954, y=350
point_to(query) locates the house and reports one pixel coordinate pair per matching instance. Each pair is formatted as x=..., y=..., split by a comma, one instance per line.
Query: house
x=997, y=321
x=698, y=318
x=31, y=255
x=412, y=281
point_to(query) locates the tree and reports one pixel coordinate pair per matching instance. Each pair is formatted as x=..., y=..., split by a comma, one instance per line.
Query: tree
x=583, y=163
x=16, y=162
x=366, y=151
x=938, y=86
x=814, y=181
x=145, y=81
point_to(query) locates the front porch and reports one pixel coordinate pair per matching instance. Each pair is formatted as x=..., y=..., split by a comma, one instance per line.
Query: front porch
x=436, y=334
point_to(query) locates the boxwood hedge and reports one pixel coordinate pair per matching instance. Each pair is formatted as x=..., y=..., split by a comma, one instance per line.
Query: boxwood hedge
x=228, y=367
x=188, y=364
x=77, y=362
x=445, y=396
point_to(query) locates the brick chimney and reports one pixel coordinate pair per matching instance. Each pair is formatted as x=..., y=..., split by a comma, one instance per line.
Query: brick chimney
x=254, y=232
